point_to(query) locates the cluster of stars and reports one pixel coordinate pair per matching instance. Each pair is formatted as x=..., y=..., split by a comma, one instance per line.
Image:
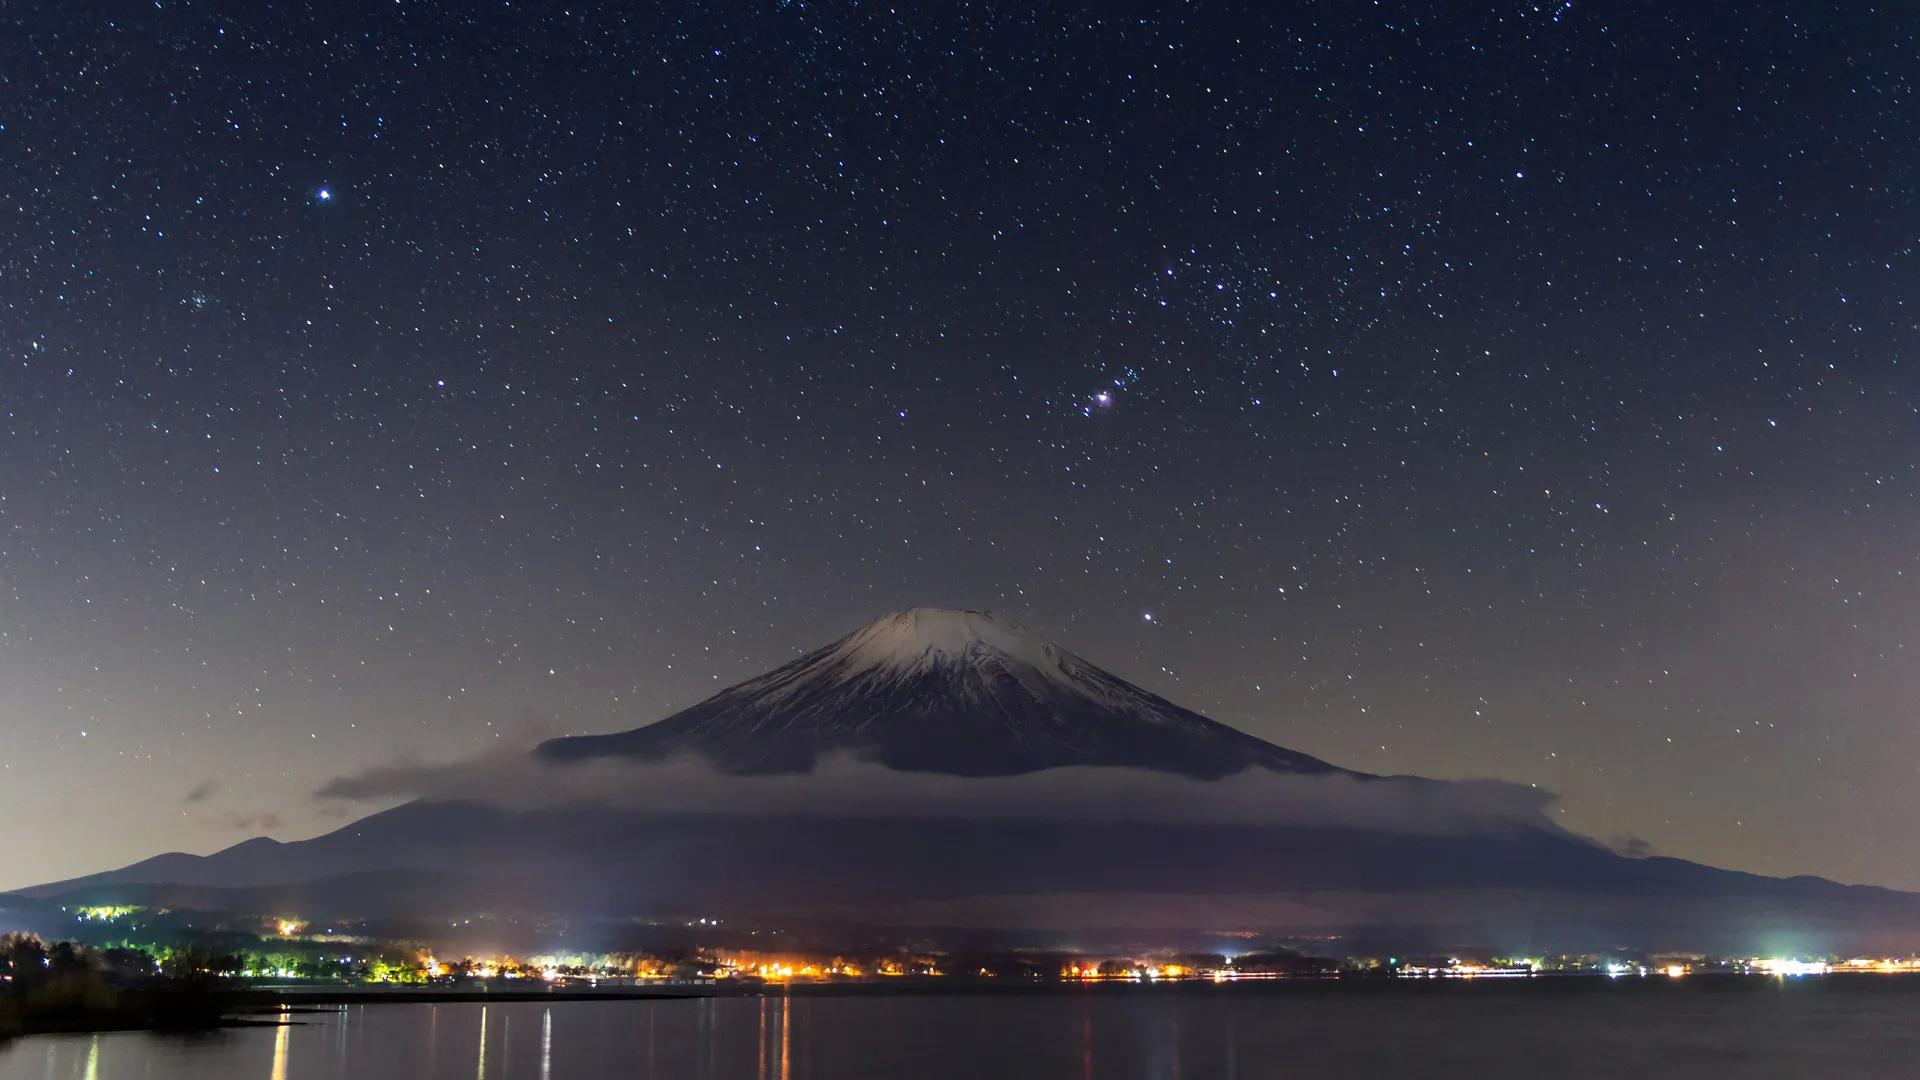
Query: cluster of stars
x=1504, y=392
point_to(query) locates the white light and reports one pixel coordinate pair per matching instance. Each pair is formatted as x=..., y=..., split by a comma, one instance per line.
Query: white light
x=1794, y=967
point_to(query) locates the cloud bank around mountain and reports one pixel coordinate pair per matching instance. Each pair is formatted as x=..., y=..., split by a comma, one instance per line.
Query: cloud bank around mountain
x=842, y=786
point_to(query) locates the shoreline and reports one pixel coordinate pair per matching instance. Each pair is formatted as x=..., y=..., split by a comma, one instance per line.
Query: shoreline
x=273, y=1007
x=273, y=999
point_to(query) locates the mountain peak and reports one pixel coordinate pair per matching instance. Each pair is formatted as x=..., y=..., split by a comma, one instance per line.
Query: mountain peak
x=946, y=691
x=922, y=635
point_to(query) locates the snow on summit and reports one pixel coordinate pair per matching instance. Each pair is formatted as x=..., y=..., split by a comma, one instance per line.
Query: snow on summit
x=934, y=690
x=924, y=635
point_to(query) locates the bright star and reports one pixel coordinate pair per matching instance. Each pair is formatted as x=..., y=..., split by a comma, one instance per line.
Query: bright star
x=324, y=195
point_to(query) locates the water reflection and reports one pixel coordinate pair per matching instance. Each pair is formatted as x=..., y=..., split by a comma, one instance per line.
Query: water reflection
x=652, y=1014
x=1164, y=1052
x=1086, y=1046
x=1231, y=1051
x=774, y=1047
x=281, y=1034
x=1109, y=1036
x=546, y=1044
x=786, y=1034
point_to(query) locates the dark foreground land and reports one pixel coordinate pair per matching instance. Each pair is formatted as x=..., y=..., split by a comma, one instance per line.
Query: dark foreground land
x=274, y=998
x=164, y=1008
x=115, y=1010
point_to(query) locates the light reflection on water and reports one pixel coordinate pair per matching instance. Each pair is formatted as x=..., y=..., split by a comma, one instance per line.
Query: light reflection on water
x=1749, y=1033
x=282, y=1039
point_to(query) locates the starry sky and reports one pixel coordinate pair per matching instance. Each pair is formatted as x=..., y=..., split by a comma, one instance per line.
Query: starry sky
x=1508, y=390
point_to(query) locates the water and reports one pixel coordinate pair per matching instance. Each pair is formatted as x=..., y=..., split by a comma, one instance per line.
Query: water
x=1757, y=1030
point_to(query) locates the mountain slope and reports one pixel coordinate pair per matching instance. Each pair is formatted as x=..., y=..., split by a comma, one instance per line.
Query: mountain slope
x=1517, y=887
x=956, y=692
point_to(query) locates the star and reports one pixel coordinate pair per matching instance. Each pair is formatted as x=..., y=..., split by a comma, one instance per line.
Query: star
x=1325, y=385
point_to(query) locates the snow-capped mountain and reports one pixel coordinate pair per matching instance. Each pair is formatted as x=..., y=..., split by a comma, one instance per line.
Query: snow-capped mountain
x=934, y=690
x=1309, y=849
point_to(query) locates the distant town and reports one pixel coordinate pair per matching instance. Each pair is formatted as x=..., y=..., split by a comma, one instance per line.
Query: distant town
x=128, y=943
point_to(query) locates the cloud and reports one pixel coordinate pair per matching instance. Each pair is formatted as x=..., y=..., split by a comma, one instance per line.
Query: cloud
x=845, y=787
x=264, y=821
x=1633, y=847
x=203, y=790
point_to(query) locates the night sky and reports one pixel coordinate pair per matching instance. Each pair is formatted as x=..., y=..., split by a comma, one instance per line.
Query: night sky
x=1472, y=390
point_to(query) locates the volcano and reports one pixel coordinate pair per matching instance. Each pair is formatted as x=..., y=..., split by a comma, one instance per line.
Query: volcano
x=1021, y=790
x=962, y=693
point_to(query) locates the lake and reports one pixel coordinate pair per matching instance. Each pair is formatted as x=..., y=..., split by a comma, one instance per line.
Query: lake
x=1735, y=1028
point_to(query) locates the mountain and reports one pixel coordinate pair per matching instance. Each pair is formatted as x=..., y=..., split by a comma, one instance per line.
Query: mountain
x=1030, y=796
x=957, y=692
x=1037, y=883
